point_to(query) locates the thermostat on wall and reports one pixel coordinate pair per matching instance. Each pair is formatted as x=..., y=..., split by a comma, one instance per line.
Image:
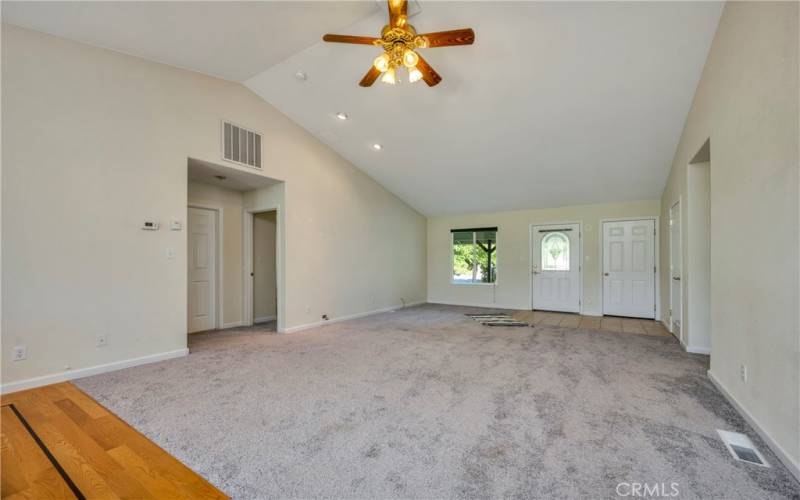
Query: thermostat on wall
x=150, y=225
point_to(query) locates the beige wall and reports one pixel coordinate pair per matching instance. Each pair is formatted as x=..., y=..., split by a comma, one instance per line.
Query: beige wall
x=513, y=253
x=747, y=104
x=95, y=142
x=265, y=286
x=230, y=203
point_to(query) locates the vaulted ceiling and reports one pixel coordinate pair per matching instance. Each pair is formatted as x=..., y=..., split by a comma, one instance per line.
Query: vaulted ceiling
x=556, y=103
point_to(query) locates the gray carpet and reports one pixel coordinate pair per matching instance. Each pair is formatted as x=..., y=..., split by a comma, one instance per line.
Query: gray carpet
x=426, y=403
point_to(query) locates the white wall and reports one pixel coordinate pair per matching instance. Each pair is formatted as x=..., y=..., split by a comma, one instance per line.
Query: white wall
x=747, y=104
x=94, y=142
x=265, y=285
x=513, y=253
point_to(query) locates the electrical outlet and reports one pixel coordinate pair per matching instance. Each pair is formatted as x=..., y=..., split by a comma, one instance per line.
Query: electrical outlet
x=20, y=353
x=100, y=341
x=743, y=373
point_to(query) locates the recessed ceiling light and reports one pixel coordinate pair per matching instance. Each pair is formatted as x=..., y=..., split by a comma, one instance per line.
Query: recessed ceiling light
x=301, y=76
x=341, y=116
x=377, y=147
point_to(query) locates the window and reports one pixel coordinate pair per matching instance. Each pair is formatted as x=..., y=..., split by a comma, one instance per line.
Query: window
x=555, y=252
x=474, y=255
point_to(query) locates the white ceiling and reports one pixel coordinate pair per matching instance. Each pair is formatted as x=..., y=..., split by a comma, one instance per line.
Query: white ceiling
x=556, y=104
x=231, y=40
x=227, y=177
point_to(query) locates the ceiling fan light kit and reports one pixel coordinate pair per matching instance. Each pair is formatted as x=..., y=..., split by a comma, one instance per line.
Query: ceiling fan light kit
x=400, y=41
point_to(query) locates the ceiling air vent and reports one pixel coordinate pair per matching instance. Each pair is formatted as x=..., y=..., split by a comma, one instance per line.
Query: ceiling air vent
x=241, y=145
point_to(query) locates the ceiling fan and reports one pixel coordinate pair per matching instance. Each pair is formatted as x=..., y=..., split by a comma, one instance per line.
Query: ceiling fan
x=399, y=41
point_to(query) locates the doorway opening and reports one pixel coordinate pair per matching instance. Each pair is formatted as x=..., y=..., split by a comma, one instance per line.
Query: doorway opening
x=556, y=255
x=629, y=256
x=697, y=268
x=264, y=268
x=675, y=272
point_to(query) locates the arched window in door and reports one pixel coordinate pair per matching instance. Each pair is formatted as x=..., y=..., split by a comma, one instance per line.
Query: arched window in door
x=555, y=252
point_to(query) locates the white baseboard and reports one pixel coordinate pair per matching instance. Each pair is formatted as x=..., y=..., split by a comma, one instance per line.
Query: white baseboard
x=793, y=466
x=698, y=350
x=474, y=304
x=54, y=378
x=293, y=329
x=232, y=324
x=264, y=319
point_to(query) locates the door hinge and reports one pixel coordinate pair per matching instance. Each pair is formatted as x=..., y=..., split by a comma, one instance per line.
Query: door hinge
x=654, y=269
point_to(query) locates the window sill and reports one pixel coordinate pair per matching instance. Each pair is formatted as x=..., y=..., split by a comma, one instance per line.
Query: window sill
x=455, y=283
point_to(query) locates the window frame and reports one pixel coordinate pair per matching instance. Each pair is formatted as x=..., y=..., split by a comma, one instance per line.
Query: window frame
x=474, y=232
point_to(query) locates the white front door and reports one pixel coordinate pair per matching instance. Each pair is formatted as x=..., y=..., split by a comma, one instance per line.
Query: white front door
x=556, y=257
x=629, y=268
x=675, y=270
x=202, y=234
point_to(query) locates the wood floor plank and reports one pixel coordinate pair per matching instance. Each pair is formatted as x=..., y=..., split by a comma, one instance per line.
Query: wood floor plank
x=101, y=454
x=159, y=485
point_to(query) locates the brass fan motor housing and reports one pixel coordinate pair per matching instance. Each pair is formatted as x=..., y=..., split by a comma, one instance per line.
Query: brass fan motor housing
x=395, y=40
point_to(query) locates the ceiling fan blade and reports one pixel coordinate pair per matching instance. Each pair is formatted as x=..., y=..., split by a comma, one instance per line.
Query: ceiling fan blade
x=449, y=38
x=360, y=40
x=430, y=75
x=370, y=77
x=398, y=12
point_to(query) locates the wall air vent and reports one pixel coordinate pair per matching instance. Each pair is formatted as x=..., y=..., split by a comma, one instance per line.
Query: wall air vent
x=241, y=145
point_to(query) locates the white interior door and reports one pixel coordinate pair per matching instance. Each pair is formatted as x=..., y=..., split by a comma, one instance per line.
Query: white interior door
x=202, y=259
x=556, y=257
x=675, y=254
x=629, y=268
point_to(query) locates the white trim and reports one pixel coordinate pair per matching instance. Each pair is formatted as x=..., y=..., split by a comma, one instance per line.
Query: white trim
x=783, y=456
x=580, y=259
x=656, y=263
x=264, y=319
x=232, y=324
x=89, y=371
x=307, y=326
x=219, y=320
x=698, y=350
x=247, y=265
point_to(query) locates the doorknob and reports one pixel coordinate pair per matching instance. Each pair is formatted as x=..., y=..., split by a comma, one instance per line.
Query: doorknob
x=676, y=278
x=535, y=272
x=605, y=274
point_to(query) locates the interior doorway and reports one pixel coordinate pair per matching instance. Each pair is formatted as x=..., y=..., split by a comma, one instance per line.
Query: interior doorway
x=556, y=267
x=202, y=261
x=264, y=270
x=675, y=269
x=629, y=268
x=263, y=266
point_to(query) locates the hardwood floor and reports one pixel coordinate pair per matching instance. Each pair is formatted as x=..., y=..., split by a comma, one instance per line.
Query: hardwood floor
x=57, y=442
x=605, y=323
